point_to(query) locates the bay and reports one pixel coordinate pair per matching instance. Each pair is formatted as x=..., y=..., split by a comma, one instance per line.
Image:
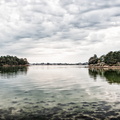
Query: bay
x=59, y=92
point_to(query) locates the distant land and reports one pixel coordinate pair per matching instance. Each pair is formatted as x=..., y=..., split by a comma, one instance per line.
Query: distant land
x=12, y=61
x=110, y=60
x=86, y=63
x=15, y=61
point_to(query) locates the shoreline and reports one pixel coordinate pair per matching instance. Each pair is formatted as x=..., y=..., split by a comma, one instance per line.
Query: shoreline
x=14, y=65
x=104, y=67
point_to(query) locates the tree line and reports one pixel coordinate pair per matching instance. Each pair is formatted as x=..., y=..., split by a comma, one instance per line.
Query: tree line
x=111, y=58
x=12, y=60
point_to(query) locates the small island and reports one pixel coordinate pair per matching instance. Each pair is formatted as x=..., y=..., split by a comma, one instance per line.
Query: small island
x=12, y=61
x=110, y=60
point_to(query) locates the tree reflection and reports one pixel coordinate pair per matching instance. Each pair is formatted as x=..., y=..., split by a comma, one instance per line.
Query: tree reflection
x=112, y=76
x=8, y=72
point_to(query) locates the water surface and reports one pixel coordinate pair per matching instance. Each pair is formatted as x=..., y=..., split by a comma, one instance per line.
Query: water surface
x=58, y=93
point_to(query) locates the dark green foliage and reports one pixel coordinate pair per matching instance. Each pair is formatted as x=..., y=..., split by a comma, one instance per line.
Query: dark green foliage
x=12, y=60
x=112, y=58
x=93, y=60
x=102, y=58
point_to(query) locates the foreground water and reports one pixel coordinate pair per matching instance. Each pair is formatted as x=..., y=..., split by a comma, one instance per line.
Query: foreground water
x=59, y=93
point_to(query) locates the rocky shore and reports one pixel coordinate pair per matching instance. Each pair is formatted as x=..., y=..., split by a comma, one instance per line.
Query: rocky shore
x=104, y=66
x=87, y=111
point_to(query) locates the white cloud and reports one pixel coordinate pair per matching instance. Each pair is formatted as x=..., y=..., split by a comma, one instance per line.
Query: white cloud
x=59, y=30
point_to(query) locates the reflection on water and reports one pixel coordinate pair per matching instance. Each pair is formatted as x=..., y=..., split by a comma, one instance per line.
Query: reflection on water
x=7, y=72
x=112, y=76
x=58, y=93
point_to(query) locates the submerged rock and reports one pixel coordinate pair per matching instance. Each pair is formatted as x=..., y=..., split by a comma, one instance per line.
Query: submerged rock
x=83, y=117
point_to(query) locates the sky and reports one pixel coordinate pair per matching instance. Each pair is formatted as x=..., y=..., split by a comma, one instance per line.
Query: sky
x=59, y=30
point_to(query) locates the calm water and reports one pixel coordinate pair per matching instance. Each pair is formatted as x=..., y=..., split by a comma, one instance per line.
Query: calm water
x=59, y=93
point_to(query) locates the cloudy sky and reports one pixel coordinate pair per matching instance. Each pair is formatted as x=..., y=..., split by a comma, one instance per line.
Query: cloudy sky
x=59, y=30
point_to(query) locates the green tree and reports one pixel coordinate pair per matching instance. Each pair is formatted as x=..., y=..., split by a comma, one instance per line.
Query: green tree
x=12, y=60
x=93, y=60
x=110, y=58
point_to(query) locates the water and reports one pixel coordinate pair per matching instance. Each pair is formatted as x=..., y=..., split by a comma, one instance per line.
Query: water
x=59, y=93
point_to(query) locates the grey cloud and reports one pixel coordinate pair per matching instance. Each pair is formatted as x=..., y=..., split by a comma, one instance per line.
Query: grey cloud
x=39, y=26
